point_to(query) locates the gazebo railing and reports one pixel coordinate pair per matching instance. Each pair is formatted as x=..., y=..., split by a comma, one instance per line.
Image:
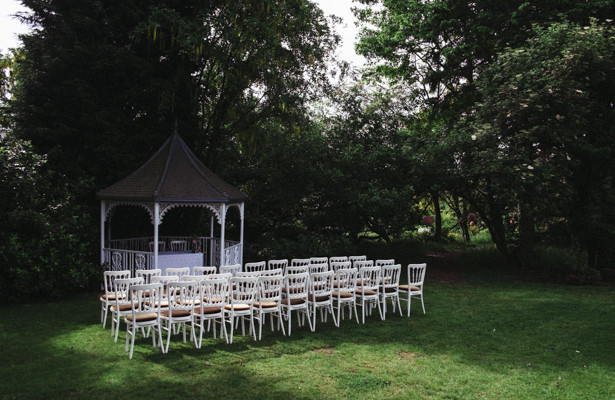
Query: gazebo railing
x=122, y=254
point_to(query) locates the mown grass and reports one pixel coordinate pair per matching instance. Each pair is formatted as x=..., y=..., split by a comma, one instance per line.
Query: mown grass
x=486, y=339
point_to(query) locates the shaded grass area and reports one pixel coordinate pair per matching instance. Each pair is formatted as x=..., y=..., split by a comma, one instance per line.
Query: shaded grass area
x=479, y=340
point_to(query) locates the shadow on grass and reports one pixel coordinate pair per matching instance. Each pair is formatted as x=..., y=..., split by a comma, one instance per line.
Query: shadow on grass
x=59, y=348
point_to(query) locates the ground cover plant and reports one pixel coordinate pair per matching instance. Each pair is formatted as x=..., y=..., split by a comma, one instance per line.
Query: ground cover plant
x=483, y=337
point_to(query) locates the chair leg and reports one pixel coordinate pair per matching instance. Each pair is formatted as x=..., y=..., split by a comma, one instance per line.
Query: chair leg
x=422, y=303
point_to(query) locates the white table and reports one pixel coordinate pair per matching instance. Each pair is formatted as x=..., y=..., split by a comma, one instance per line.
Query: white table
x=178, y=259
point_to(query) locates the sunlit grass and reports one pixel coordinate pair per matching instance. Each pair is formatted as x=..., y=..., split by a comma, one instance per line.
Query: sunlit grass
x=480, y=340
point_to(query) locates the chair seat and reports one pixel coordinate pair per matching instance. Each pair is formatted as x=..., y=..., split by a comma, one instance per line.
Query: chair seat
x=237, y=307
x=413, y=288
x=110, y=297
x=176, y=313
x=345, y=295
x=293, y=302
x=143, y=317
x=208, y=310
x=266, y=304
x=367, y=292
x=314, y=298
x=123, y=307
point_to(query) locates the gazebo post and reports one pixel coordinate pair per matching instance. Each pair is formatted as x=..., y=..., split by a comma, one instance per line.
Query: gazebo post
x=222, y=226
x=241, y=212
x=211, y=241
x=103, y=211
x=156, y=222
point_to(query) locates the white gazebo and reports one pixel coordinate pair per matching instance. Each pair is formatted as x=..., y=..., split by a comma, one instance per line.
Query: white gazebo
x=173, y=177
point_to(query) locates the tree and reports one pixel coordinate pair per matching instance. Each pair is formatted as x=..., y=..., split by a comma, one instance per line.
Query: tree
x=544, y=131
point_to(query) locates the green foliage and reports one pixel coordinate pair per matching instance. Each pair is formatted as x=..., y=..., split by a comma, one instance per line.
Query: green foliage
x=42, y=251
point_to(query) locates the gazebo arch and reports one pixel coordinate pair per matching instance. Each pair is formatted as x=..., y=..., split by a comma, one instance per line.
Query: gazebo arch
x=172, y=177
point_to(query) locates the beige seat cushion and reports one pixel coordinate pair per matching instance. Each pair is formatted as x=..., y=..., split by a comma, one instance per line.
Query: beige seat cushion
x=367, y=292
x=345, y=295
x=143, y=317
x=413, y=288
x=293, y=302
x=266, y=304
x=176, y=313
x=237, y=307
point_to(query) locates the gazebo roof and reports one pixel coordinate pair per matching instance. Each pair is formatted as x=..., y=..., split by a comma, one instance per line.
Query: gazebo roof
x=173, y=174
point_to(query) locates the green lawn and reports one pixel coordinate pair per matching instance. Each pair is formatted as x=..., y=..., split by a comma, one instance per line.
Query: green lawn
x=479, y=340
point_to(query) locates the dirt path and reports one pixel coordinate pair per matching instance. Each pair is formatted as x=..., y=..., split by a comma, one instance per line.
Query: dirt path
x=443, y=267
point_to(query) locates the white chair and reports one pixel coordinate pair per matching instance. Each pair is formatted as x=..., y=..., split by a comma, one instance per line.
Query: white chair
x=145, y=313
x=300, y=262
x=337, y=259
x=381, y=263
x=269, y=301
x=204, y=270
x=297, y=269
x=161, y=246
x=389, y=287
x=273, y=272
x=414, y=288
x=244, y=291
x=107, y=299
x=179, y=272
x=140, y=261
x=181, y=303
x=352, y=259
x=244, y=274
x=335, y=265
x=321, y=296
x=277, y=264
x=358, y=264
x=344, y=295
x=296, y=290
x=255, y=266
x=368, y=291
x=317, y=268
x=319, y=260
x=122, y=306
x=214, y=293
x=178, y=245
x=147, y=274
x=116, y=261
x=230, y=269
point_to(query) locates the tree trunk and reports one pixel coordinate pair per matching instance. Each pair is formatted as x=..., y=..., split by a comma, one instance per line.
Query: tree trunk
x=527, y=235
x=435, y=198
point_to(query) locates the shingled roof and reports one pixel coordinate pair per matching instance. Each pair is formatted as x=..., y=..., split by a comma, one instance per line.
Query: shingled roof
x=173, y=174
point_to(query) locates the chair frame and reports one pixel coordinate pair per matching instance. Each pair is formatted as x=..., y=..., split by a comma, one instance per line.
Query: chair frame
x=145, y=313
x=180, y=310
x=389, y=287
x=344, y=294
x=321, y=296
x=213, y=296
x=296, y=298
x=268, y=301
x=259, y=266
x=244, y=292
x=204, y=270
x=414, y=288
x=122, y=306
x=107, y=299
x=368, y=292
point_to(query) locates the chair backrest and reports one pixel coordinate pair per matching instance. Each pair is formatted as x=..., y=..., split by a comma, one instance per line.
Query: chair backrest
x=300, y=262
x=178, y=271
x=164, y=279
x=358, y=264
x=380, y=263
x=147, y=274
x=297, y=286
x=370, y=278
x=321, y=284
x=416, y=274
x=116, y=261
x=231, y=269
x=296, y=269
x=109, y=278
x=244, y=290
x=352, y=259
x=337, y=259
x=178, y=245
x=270, y=288
x=273, y=272
x=197, y=278
x=243, y=274
x=214, y=292
x=204, y=270
x=255, y=266
x=335, y=265
x=161, y=246
x=346, y=280
x=277, y=264
x=225, y=275
x=319, y=260
x=320, y=267
x=146, y=298
x=390, y=276
x=122, y=289
x=181, y=297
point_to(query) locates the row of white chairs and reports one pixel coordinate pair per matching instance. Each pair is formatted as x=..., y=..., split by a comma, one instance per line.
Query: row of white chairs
x=253, y=295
